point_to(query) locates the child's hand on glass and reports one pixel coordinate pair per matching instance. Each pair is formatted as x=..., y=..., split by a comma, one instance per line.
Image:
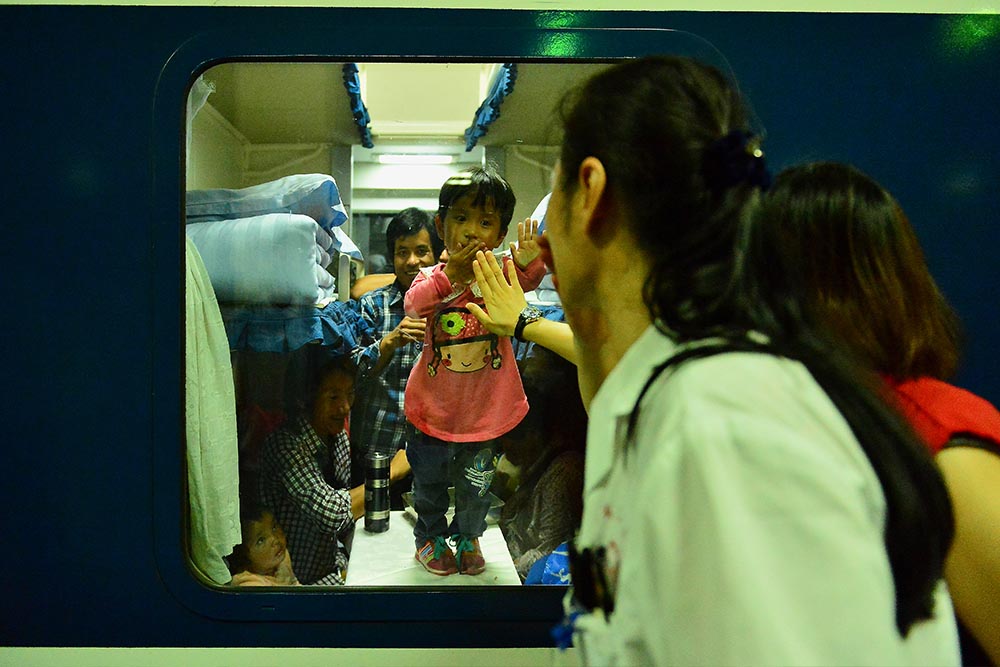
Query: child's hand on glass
x=526, y=250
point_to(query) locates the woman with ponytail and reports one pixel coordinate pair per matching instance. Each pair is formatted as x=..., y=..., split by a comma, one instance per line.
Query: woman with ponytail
x=749, y=498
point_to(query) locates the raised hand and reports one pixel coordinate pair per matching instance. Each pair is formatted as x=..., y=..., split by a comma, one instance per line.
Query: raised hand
x=503, y=295
x=527, y=248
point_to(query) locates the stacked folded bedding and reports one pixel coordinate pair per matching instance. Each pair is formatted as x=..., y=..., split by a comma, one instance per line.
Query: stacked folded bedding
x=271, y=243
x=315, y=195
x=279, y=258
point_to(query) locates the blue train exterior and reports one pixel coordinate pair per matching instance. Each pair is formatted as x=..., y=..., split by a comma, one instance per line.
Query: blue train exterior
x=93, y=153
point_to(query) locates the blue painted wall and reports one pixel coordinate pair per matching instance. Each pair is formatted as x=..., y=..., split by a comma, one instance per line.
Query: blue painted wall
x=92, y=110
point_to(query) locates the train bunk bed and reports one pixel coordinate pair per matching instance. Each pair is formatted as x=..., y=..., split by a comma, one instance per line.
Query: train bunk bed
x=277, y=264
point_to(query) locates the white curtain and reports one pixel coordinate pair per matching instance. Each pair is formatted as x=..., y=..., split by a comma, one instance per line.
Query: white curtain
x=210, y=410
x=200, y=90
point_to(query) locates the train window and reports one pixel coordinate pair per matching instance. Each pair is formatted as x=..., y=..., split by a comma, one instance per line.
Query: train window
x=284, y=202
x=290, y=201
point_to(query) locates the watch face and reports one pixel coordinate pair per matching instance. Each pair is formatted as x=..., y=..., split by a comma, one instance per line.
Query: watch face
x=528, y=315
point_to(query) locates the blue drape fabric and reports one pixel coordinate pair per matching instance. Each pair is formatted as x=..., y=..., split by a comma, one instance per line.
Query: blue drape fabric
x=487, y=113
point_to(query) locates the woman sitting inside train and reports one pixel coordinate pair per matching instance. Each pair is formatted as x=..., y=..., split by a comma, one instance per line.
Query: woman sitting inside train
x=306, y=467
x=547, y=448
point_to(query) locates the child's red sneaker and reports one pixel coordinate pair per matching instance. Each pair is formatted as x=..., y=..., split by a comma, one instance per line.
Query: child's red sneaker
x=436, y=557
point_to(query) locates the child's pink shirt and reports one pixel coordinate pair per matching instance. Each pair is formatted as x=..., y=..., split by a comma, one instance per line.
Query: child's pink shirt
x=465, y=387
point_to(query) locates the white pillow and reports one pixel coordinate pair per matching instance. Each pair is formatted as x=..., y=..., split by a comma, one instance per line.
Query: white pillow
x=315, y=195
x=269, y=259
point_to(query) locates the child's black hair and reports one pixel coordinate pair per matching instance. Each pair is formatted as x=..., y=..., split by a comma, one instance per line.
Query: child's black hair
x=486, y=186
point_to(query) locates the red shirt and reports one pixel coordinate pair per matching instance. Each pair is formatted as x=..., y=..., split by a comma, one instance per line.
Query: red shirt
x=938, y=411
x=465, y=387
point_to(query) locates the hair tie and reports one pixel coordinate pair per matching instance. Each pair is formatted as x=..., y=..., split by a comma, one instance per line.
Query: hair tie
x=734, y=159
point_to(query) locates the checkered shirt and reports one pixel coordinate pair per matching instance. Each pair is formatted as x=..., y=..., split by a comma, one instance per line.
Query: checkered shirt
x=306, y=483
x=378, y=421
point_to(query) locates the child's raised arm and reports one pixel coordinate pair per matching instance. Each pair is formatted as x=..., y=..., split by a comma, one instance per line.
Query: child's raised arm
x=426, y=291
x=531, y=277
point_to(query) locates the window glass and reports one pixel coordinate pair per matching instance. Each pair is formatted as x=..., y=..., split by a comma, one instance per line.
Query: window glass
x=290, y=218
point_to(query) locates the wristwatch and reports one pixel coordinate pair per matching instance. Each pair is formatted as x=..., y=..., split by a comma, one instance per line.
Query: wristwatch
x=527, y=316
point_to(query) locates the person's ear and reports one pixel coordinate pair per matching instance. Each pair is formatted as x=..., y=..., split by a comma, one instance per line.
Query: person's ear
x=439, y=225
x=592, y=196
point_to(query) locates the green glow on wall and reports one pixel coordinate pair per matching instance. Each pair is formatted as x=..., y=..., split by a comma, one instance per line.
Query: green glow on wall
x=555, y=20
x=560, y=44
x=964, y=34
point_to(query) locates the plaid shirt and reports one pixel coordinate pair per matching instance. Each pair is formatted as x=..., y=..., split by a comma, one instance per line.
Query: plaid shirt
x=306, y=483
x=378, y=420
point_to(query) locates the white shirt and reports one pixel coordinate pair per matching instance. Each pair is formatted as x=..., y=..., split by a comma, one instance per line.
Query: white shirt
x=744, y=526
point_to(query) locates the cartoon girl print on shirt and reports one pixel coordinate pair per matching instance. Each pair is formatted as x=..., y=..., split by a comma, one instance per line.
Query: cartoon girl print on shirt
x=461, y=344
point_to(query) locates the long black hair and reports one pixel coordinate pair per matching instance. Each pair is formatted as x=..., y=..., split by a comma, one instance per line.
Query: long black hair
x=680, y=159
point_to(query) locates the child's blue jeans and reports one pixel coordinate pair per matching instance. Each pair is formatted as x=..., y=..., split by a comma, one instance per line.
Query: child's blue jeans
x=436, y=464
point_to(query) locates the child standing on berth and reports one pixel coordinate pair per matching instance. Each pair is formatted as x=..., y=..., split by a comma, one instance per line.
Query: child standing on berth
x=464, y=391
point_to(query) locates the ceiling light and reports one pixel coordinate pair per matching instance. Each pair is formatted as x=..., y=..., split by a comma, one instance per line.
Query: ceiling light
x=415, y=158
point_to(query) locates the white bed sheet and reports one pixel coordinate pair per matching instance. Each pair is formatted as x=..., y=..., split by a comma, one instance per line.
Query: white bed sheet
x=386, y=559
